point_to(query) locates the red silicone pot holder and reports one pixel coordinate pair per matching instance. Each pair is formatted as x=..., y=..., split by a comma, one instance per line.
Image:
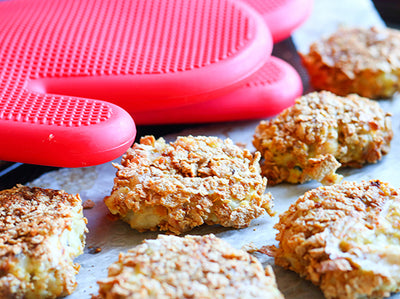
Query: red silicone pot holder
x=145, y=53
x=137, y=53
x=273, y=88
x=63, y=131
x=282, y=16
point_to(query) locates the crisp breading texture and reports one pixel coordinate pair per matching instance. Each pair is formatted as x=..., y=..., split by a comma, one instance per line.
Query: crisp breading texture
x=188, y=267
x=345, y=238
x=365, y=61
x=41, y=232
x=194, y=180
x=320, y=133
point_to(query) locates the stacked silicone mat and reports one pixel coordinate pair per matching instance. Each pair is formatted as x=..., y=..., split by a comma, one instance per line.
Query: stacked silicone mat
x=74, y=73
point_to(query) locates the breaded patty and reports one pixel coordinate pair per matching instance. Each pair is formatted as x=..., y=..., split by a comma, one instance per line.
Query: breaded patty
x=180, y=185
x=318, y=134
x=188, y=267
x=41, y=232
x=365, y=61
x=345, y=238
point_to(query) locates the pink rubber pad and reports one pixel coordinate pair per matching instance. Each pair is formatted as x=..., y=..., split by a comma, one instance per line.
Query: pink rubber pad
x=141, y=53
x=144, y=52
x=282, y=16
x=63, y=131
x=273, y=88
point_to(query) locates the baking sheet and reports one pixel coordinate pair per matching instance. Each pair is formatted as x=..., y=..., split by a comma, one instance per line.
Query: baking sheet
x=112, y=237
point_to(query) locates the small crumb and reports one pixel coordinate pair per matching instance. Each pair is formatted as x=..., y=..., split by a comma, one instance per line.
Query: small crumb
x=88, y=204
x=242, y=145
x=268, y=250
x=94, y=250
x=250, y=247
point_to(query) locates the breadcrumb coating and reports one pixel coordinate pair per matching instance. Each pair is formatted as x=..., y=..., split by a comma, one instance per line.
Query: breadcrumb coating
x=188, y=267
x=41, y=232
x=365, y=61
x=345, y=238
x=180, y=185
x=320, y=133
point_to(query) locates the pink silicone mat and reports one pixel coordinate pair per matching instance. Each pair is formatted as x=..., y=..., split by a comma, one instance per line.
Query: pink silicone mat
x=282, y=16
x=63, y=131
x=150, y=53
x=141, y=53
x=273, y=88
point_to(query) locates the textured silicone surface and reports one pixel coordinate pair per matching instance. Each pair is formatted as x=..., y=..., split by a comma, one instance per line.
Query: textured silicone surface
x=144, y=53
x=282, y=16
x=273, y=88
x=63, y=131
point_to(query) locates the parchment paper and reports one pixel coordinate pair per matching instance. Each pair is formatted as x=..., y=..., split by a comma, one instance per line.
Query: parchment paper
x=115, y=236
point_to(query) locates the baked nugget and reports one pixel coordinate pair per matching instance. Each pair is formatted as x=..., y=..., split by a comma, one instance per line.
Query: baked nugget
x=180, y=185
x=320, y=133
x=365, y=61
x=188, y=267
x=345, y=238
x=41, y=232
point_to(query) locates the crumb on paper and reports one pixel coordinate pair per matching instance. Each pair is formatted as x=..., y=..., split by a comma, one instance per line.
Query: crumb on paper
x=267, y=250
x=94, y=249
x=241, y=144
x=250, y=247
x=88, y=204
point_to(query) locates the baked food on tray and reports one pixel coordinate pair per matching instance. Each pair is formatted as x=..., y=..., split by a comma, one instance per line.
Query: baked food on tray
x=194, y=180
x=345, y=238
x=365, y=61
x=41, y=232
x=187, y=267
x=320, y=133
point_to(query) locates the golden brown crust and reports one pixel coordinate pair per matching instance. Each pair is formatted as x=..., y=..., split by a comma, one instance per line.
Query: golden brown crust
x=318, y=134
x=29, y=216
x=34, y=224
x=337, y=236
x=365, y=61
x=189, y=267
x=183, y=184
